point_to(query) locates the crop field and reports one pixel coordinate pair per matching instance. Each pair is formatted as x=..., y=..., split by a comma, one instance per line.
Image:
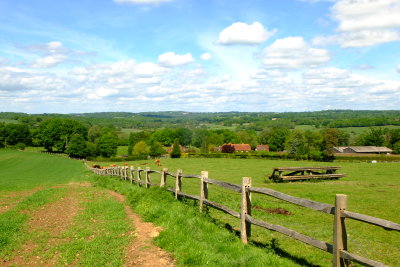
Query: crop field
x=55, y=212
x=372, y=189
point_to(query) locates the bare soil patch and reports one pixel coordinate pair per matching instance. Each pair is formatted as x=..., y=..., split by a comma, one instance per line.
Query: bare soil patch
x=274, y=211
x=142, y=251
x=51, y=221
x=8, y=201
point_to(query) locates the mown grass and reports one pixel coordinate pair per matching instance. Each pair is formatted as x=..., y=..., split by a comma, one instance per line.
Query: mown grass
x=211, y=239
x=193, y=238
x=372, y=189
x=98, y=235
x=26, y=170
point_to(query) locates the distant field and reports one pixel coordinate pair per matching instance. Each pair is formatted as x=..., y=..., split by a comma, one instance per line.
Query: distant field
x=353, y=130
x=8, y=121
x=372, y=189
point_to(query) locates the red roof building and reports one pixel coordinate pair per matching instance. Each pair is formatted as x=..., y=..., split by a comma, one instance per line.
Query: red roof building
x=242, y=147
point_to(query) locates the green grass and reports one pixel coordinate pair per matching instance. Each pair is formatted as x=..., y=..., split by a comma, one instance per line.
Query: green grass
x=99, y=233
x=372, y=189
x=12, y=223
x=26, y=170
x=122, y=150
x=195, y=239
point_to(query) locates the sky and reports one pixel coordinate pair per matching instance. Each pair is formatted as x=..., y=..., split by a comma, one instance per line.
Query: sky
x=80, y=56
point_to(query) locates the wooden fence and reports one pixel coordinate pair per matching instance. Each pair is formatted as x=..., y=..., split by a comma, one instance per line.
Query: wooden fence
x=341, y=257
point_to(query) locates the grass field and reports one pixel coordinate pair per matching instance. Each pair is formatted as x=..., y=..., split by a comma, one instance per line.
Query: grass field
x=372, y=189
x=55, y=212
x=33, y=183
x=49, y=216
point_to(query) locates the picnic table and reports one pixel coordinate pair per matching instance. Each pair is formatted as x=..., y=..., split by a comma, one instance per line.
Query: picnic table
x=305, y=173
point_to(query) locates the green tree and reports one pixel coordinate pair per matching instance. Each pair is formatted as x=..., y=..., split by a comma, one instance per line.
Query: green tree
x=184, y=135
x=107, y=145
x=275, y=137
x=54, y=134
x=176, y=149
x=94, y=133
x=374, y=137
x=296, y=144
x=137, y=137
x=77, y=147
x=17, y=133
x=140, y=149
x=156, y=149
x=165, y=137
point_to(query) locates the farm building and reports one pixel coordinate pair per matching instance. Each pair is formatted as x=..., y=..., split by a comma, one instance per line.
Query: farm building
x=242, y=147
x=363, y=149
x=262, y=148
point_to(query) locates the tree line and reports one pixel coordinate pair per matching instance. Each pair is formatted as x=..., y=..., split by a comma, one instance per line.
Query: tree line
x=82, y=140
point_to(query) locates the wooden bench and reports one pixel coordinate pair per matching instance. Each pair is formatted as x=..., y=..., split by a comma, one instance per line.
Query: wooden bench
x=305, y=173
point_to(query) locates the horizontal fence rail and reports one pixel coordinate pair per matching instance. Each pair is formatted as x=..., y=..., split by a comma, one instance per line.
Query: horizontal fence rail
x=341, y=257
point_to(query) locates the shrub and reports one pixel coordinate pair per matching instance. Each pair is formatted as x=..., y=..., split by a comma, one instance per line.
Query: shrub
x=176, y=150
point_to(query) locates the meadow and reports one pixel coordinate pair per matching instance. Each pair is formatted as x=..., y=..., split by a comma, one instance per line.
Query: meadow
x=372, y=189
x=30, y=182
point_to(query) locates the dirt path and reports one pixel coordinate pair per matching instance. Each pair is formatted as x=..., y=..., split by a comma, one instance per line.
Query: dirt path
x=142, y=251
x=49, y=222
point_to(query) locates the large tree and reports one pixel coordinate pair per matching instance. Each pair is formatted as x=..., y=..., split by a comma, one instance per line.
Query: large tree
x=54, y=134
x=107, y=145
x=77, y=147
x=17, y=133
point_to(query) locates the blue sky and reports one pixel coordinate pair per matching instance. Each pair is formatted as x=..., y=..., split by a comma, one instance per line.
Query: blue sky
x=208, y=55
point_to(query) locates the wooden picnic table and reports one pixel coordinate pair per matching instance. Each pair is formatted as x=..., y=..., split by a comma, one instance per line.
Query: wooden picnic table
x=305, y=173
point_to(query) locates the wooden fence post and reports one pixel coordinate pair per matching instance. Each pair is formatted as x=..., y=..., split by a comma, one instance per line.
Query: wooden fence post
x=178, y=184
x=147, y=177
x=245, y=227
x=131, y=171
x=163, y=177
x=203, y=189
x=339, y=231
x=139, y=180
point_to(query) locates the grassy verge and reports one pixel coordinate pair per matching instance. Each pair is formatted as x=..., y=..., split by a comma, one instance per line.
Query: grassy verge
x=372, y=189
x=193, y=238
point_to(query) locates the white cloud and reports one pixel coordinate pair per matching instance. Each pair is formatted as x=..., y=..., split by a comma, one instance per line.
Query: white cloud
x=49, y=61
x=170, y=59
x=364, y=23
x=142, y=1
x=293, y=53
x=242, y=33
x=149, y=69
x=398, y=68
x=366, y=14
x=206, y=56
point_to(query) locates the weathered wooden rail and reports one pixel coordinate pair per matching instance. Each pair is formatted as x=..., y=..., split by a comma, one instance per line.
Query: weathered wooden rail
x=305, y=173
x=341, y=257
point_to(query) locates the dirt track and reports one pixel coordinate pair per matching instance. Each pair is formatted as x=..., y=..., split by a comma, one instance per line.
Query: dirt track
x=53, y=219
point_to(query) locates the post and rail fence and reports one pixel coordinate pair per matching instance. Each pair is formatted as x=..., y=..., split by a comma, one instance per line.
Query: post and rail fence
x=341, y=256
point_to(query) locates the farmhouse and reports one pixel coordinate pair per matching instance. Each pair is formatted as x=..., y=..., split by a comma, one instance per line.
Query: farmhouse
x=262, y=148
x=363, y=149
x=242, y=147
